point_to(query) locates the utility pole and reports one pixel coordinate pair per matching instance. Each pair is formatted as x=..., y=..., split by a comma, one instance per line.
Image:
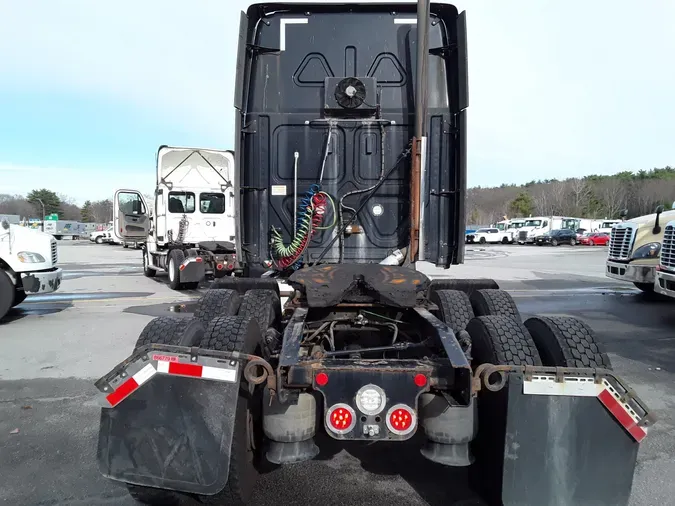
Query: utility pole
x=43, y=213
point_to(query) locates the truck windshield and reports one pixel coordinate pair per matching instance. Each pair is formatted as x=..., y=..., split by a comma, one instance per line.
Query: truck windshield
x=500, y=226
x=212, y=203
x=518, y=224
x=532, y=223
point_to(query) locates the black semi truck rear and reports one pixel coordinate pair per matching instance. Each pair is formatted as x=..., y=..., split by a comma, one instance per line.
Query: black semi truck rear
x=351, y=168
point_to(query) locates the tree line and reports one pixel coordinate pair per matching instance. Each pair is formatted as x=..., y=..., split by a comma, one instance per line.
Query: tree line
x=30, y=206
x=592, y=196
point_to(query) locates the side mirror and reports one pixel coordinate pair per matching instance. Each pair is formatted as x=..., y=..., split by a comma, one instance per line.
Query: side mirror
x=624, y=213
x=5, y=225
x=136, y=207
x=657, y=226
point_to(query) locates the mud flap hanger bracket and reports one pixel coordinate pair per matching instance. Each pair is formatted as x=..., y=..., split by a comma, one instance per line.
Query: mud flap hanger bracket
x=621, y=401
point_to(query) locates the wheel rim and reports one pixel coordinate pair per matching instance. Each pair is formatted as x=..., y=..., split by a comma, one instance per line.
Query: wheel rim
x=171, y=265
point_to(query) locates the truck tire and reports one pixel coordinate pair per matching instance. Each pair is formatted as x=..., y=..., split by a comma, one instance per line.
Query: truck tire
x=505, y=240
x=216, y=303
x=175, y=259
x=454, y=308
x=19, y=296
x=261, y=305
x=175, y=331
x=236, y=333
x=501, y=340
x=148, y=272
x=172, y=330
x=498, y=340
x=490, y=302
x=6, y=294
x=482, y=240
x=563, y=341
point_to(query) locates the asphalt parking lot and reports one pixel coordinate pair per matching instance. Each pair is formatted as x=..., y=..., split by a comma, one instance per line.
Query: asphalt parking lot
x=53, y=347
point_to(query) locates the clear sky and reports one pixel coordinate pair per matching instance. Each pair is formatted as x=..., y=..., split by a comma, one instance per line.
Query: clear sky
x=90, y=89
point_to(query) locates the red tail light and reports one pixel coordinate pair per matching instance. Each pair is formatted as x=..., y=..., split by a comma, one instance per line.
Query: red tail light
x=219, y=267
x=199, y=260
x=420, y=380
x=401, y=420
x=321, y=379
x=340, y=418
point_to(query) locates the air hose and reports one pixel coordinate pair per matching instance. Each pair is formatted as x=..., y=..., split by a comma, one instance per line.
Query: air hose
x=311, y=212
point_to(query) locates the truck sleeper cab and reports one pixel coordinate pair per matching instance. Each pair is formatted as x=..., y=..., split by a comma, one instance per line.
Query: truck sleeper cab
x=634, y=249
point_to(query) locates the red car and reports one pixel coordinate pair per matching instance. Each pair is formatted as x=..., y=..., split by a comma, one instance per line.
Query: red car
x=595, y=239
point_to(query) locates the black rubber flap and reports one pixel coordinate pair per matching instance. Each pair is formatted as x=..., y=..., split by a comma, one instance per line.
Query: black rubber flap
x=173, y=433
x=563, y=450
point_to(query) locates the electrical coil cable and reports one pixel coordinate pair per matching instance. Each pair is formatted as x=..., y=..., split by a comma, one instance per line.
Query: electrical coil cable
x=182, y=231
x=309, y=222
x=311, y=212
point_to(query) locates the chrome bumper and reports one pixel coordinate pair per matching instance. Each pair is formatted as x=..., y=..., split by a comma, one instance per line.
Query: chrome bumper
x=665, y=283
x=630, y=273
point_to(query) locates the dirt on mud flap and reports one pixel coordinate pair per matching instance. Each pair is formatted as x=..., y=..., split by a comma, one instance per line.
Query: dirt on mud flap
x=165, y=424
x=570, y=436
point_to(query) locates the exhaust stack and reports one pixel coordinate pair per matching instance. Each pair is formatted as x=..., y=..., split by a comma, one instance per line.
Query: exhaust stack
x=419, y=148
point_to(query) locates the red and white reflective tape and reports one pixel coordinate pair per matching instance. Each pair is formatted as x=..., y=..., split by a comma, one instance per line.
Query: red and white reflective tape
x=168, y=364
x=587, y=387
x=196, y=371
x=126, y=388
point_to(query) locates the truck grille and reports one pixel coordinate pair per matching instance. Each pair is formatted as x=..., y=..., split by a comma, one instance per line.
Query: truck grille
x=621, y=242
x=55, y=254
x=522, y=235
x=668, y=247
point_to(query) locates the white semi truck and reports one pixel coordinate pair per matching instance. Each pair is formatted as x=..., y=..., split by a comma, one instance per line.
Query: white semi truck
x=28, y=261
x=539, y=225
x=190, y=232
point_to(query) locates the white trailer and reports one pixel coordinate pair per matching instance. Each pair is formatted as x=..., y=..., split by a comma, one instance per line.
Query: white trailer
x=539, y=225
x=190, y=231
x=65, y=228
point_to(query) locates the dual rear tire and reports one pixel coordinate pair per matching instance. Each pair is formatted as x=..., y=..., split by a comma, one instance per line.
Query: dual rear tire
x=499, y=335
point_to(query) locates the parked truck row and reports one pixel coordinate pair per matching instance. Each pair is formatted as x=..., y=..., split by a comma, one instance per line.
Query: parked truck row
x=641, y=251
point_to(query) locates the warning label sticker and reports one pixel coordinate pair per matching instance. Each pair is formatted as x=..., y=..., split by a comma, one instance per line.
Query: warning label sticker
x=279, y=189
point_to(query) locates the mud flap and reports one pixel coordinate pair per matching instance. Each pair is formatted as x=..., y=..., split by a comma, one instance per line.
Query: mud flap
x=564, y=449
x=172, y=433
x=192, y=271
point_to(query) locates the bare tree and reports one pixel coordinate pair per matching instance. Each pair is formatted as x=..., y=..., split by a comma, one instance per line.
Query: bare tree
x=613, y=194
x=580, y=192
